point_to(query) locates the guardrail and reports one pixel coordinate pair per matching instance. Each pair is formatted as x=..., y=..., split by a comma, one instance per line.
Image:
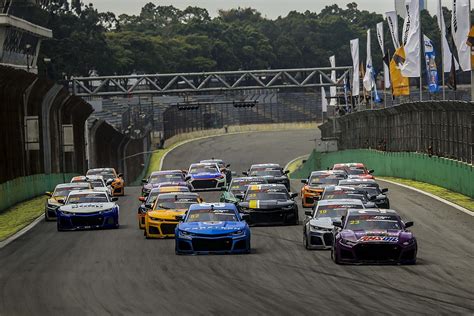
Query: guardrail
x=441, y=128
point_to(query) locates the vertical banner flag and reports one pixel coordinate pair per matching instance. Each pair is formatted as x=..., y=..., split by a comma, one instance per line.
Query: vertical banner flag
x=386, y=72
x=324, y=100
x=411, y=41
x=355, y=65
x=460, y=30
x=431, y=70
x=392, y=20
x=470, y=42
x=368, y=78
x=333, y=90
x=400, y=84
x=446, y=50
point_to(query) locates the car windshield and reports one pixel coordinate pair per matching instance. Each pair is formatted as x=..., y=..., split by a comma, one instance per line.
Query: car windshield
x=267, y=194
x=335, y=211
x=66, y=191
x=107, y=174
x=370, y=190
x=97, y=183
x=237, y=186
x=87, y=198
x=161, y=178
x=373, y=222
x=176, y=202
x=316, y=180
x=152, y=197
x=203, y=169
x=211, y=216
x=338, y=195
x=355, y=171
x=260, y=172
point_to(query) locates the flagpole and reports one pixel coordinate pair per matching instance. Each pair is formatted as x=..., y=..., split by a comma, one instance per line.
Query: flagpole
x=472, y=54
x=422, y=44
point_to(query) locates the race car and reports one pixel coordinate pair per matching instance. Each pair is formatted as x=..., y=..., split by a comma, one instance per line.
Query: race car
x=149, y=201
x=156, y=178
x=212, y=228
x=160, y=222
x=372, y=189
x=315, y=184
x=318, y=227
x=339, y=192
x=57, y=197
x=355, y=170
x=97, y=182
x=237, y=188
x=206, y=176
x=225, y=168
x=270, y=204
x=88, y=209
x=117, y=184
x=373, y=236
x=272, y=172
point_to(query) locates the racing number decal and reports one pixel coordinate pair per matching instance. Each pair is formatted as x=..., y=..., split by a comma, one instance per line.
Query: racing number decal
x=323, y=212
x=254, y=204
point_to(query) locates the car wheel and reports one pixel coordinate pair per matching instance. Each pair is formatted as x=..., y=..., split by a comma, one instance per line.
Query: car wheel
x=334, y=256
x=305, y=241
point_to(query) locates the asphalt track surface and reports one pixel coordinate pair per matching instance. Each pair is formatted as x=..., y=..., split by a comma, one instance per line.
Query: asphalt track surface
x=118, y=272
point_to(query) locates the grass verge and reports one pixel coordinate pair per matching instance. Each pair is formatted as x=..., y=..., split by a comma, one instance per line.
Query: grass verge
x=19, y=216
x=446, y=194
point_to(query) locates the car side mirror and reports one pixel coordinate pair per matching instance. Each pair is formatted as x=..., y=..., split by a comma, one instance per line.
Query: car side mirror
x=371, y=171
x=308, y=212
x=142, y=199
x=245, y=173
x=293, y=195
x=409, y=224
x=384, y=190
x=144, y=181
x=245, y=217
x=372, y=198
x=239, y=196
x=48, y=194
x=180, y=218
x=114, y=199
x=109, y=182
x=187, y=178
x=286, y=172
x=337, y=224
x=304, y=181
x=61, y=201
x=149, y=205
x=227, y=166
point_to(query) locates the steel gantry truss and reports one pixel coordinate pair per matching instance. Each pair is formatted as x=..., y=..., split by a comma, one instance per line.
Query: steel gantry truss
x=208, y=81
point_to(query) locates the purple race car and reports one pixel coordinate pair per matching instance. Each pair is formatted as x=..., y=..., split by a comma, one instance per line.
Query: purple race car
x=373, y=236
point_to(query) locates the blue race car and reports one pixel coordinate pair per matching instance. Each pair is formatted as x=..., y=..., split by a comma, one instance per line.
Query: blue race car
x=206, y=176
x=88, y=209
x=212, y=228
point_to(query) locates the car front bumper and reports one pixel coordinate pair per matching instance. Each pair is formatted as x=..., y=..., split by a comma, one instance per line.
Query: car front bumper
x=160, y=229
x=207, y=184
x=376, y=253
x=320, y=239
x=196, y=245
x=263, y=217
x=88, y=221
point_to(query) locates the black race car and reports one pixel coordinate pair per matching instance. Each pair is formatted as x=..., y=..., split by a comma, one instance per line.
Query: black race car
x=272, y=172
x=270, y=204
x=372, y=188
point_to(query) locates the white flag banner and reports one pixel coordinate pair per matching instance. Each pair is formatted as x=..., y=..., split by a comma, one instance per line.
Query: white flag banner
x=446, y=51
x=368, y=78
x=324, y=100
x=392, y=20
x=333, y=89
x=355, y=66
x=412, y=41
x=460, y=30
x=386, y=71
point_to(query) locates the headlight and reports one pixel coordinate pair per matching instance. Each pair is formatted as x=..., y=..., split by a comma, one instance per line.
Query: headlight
x=184, y=234
x=287, y=208
x=317, y=228
x=156, y=219
x=239, y=232
x=347, y=242
x=53, y=207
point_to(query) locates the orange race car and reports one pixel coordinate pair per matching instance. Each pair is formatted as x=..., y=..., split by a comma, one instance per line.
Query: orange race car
x=355, y=170
x=315, y=184
x=149, y=201
x=161, y=221
x=118, y=185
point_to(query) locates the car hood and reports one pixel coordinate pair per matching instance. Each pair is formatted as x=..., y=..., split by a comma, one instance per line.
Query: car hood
x=87, y=207
x=150, y=186
x=167, y=214
x=205, y=175
x=323, y=222
x=212, y=228
x=368, y=236
x=266, y=204
x=316, y=187
x=54, y=200
x=273, y=178
x=360, y=176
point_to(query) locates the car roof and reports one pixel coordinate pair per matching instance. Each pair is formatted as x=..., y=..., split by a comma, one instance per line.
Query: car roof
x=94, y=177
x=101, y=169
x=212, y=161
x=203, y=164
x=326, y=172
x=75, y=185
x=86, y=191
x=166, y=172
x=371, y=211
x=350, y=164
x=249, y=179
x=339, y=202
x=171, y=194
x=340, y=188
x=170, y=189
x=357, y=181
x=216, y=206
x=266, y=186
x=268, y=165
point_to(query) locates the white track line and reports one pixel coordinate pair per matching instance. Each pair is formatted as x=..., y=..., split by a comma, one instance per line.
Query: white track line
x=20, y=233
x=460, y=208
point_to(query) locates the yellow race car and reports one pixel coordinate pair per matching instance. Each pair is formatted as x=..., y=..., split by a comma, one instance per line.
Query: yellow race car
x=58, y=197
x=161, y=221
x=111, y=178
x=149, y=201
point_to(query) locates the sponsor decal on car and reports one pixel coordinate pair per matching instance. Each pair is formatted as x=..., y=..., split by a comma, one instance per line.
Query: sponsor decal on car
x=378, y=238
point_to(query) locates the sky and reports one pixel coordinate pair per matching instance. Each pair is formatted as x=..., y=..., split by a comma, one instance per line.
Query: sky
x=269, y=8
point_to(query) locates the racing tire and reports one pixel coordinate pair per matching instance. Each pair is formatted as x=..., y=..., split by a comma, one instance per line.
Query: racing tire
x=46, y=218
x=334, y=256
x=59, y=228
x=145, y=233
x=305, y=241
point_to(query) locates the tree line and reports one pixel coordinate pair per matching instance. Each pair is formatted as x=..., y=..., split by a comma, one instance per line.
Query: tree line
x=165, y=39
